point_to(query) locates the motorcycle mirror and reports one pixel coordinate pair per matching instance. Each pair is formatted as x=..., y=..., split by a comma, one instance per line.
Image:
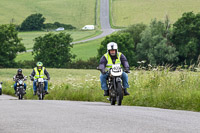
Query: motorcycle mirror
x=1, y=83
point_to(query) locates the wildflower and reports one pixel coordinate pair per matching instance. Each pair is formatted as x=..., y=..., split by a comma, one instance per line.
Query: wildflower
x=155, y=69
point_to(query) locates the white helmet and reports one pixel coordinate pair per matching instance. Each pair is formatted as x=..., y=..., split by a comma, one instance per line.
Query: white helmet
x=112, y=45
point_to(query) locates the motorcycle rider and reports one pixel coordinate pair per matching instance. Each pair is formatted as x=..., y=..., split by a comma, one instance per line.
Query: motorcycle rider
x=107, y=60
x=38, y=72
x=18, y=76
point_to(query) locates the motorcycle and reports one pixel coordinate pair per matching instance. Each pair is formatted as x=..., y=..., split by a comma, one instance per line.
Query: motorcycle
x=116, y=91
x=40, y=88
x=20, y=91
x=1, y=88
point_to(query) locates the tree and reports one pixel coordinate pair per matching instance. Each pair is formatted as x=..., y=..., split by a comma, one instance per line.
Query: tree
x=186, y=37
x=34, y=22
x=10, y=45
x=155, y=47
x=54, y=50
x=135, y=32
x=125, y=45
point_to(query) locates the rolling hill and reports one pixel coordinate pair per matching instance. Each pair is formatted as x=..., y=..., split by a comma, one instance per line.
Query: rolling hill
x=127, y=12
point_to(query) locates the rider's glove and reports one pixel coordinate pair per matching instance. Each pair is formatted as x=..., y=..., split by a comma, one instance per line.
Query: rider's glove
x=103, y=71
x=48, y=78
x=126, y=70
x=32, y=79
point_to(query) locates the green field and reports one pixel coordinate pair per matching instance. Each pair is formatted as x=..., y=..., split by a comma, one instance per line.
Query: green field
x=86, y=50
x=77, y=35
x=82, y=50
x=78, y=12
x=24, y=56
x=128, y=12
x=163, y=89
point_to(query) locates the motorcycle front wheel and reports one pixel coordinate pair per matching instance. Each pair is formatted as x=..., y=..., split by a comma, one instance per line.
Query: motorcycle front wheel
x=119, y=94
x=20, y=96
x=41, y=95
x=112, y=100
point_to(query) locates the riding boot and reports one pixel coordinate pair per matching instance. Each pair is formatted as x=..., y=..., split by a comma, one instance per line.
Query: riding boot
x=34, y=93
x=126, y=92
x=106, y=92
x=46, y=92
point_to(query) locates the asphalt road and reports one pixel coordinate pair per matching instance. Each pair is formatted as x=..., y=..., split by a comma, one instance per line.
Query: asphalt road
x=50, y=116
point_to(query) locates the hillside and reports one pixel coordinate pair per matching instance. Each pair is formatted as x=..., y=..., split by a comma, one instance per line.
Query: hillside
x=127, y=12
x=78, y=12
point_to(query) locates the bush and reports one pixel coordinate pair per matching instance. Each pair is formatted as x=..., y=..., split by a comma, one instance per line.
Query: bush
x=91, y=63
x=25, y=64
x=34, y=22
x=56, y=25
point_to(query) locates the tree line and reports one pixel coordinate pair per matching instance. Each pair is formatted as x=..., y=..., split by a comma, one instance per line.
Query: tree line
x=35, y=22
x=159, y=43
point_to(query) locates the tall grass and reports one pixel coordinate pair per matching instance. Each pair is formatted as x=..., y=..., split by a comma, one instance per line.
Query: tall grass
x=163, y=89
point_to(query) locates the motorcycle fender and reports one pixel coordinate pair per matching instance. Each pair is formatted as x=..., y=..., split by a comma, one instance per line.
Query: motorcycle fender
x=118, y=79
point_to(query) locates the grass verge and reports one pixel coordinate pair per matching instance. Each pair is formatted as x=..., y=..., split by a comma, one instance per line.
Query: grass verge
x=162, y=89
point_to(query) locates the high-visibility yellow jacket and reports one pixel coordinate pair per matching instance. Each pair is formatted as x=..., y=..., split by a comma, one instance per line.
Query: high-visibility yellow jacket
x=110, y=63
x=39, y=74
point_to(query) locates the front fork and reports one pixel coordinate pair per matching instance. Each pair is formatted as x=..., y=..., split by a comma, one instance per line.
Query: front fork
x=113, y=85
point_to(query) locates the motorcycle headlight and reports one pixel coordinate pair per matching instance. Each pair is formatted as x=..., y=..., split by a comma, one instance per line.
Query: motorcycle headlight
x=20, y=82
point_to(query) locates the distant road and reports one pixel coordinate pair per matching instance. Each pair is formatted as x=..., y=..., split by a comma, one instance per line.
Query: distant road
x=104, y=21
x=54, y=116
